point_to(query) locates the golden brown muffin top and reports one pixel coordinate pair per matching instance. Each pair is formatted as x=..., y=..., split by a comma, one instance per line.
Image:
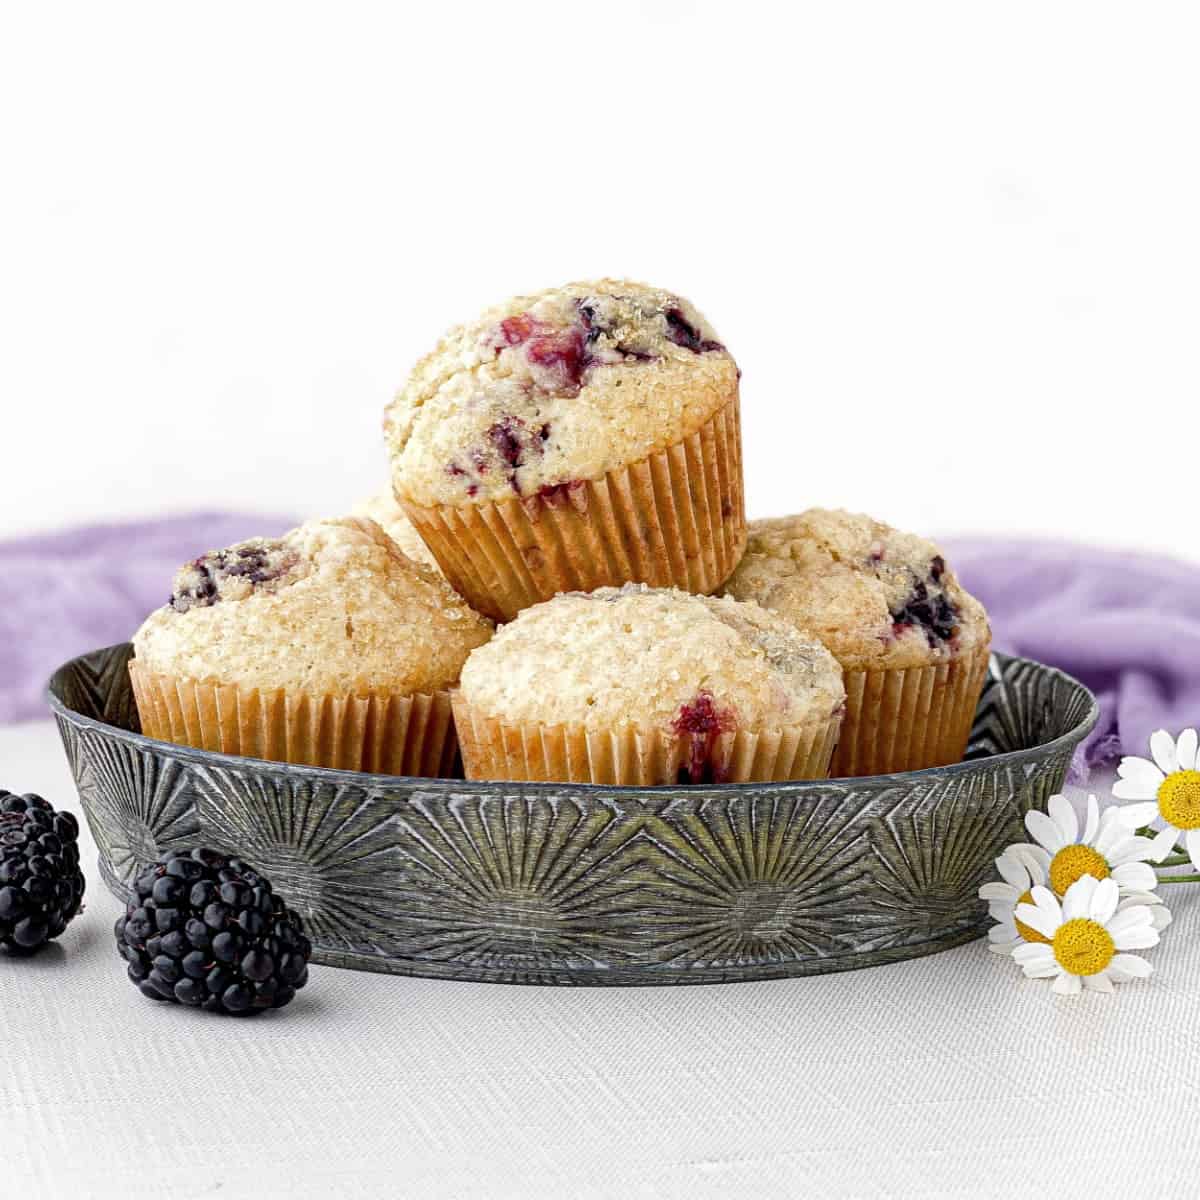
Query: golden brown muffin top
x=332, y=607
x=876, y=597
x=656, y=658
x=553, y=388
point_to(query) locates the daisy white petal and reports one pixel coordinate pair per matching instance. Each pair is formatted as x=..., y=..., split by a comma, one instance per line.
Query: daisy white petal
x=1129, y=966
x=1077, y=902
x=1002, y=931
x=1134, y=816
x=1012, y=872
x=1039, y=970
x=1185, y=749
x=1037, y=919
x=1141, y=938
x=1163, y=843
x=1037, y=962
x=1066, y=985
x=1046, y=900
x=1034, y=952
x=1137, y=789
x=1110, y=830
x=1063, y=815
x=1160, y=915
x=1092, y=824
x=1135, y=877
x=999, y=892
x=1004, y=947
x=1140, y=769
x=1104, y=900
x=1129, y=849
x=1098, y=983
x=1137, y=916
x=1044, y=831
x=1193, y=847
x=1034, y=858
x=1162, y=750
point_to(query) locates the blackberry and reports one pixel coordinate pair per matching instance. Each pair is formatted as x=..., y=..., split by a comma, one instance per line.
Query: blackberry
x=208, y=931
x=931, y=612
x=41, y=885
x=683, y=333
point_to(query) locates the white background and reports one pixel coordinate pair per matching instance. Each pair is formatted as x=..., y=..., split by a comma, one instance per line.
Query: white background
x=955, y=247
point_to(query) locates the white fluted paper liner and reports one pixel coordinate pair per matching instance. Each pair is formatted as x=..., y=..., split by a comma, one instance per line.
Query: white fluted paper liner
x=675, y=519
x=496, y=749
x=380, y=733
x=911, y=718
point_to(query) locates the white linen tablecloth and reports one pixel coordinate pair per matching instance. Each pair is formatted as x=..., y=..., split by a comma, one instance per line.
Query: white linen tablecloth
x=944, y=1076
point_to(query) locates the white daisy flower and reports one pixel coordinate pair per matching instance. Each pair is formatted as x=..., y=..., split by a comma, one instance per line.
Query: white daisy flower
x=1021, y=868
x=1105, y=848
x=1085, y=940
x=1168, y=789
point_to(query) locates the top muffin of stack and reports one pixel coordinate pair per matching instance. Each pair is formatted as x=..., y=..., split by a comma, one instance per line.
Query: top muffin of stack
x=580, y=437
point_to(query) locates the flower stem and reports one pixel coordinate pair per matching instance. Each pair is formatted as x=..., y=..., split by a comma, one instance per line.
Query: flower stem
x=1192, y=877
x=1176, y=860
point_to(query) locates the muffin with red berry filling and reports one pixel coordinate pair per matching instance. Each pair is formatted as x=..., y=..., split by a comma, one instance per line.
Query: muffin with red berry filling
x=581, y=437
x=912, y=643
x=392, y=519
x=327, y=647
x=637, y=685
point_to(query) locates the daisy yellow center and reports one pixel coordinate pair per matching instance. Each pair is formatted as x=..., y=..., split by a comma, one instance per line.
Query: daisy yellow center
x=1179, y=799
x=1083, y=947
x=1074, y=862
x=1027, y=931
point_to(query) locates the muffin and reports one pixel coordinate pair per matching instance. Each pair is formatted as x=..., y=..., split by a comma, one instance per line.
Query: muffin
x=913, y=645
x=580, y=437
x=391, y=518
x=635, y=685
x=326, y=647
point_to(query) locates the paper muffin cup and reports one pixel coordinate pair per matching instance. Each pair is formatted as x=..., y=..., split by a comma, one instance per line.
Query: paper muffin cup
x=382, y=733
x=675, y=519
x=628, y=756
x=906, y=719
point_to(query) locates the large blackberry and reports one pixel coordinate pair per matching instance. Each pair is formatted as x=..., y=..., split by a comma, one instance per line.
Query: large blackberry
x=41, y=885
x=208, y=931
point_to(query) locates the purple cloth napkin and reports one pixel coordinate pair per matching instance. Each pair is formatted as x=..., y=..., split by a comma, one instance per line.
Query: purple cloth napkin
x=68, y=592
x=1127, y=625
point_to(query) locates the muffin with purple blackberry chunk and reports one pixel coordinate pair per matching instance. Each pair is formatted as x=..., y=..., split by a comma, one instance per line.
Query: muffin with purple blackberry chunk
x=636, y=685
x=326, y=647
x=581, y=437
x=912, y=643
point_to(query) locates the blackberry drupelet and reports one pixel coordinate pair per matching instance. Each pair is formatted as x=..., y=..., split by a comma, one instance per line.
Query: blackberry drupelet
x=41, y=885
x=207, y=931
